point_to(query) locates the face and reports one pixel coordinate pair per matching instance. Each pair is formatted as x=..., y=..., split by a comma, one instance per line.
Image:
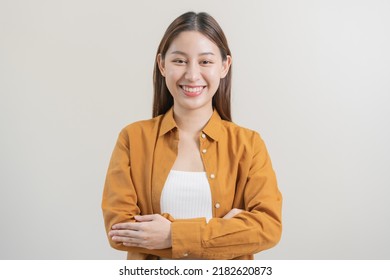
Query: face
x=193, y=68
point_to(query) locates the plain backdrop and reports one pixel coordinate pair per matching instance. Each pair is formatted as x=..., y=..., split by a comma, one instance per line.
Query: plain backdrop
x=312, y=77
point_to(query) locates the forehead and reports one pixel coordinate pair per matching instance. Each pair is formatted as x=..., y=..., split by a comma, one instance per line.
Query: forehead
x=192, y=42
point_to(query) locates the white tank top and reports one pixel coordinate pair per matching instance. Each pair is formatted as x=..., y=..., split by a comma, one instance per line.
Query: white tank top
x=186, y=195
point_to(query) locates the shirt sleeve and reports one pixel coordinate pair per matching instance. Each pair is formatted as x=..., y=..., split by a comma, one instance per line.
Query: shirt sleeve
x=119, y=203
x=255, y=229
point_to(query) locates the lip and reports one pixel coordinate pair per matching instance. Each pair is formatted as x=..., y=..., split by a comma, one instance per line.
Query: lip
x=192, y=93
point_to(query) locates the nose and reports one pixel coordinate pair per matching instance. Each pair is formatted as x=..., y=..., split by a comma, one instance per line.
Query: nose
x=192, y=72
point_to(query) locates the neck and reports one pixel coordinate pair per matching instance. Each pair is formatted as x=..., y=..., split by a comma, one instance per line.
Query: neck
x=192, y=121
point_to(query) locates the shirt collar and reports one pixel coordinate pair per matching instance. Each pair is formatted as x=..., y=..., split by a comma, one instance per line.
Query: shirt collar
x=168, y=122
x=212, y=129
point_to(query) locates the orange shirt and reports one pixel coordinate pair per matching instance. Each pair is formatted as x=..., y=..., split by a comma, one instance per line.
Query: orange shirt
x=240, y=175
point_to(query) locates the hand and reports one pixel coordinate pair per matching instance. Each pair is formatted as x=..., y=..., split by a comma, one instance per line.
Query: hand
x=149, y=232
x=232, y=213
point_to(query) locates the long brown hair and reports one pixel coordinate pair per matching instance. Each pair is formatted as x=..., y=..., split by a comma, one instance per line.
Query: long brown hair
x=208, y=26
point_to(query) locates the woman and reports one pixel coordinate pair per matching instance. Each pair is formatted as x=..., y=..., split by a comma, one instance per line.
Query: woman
x=189, y=183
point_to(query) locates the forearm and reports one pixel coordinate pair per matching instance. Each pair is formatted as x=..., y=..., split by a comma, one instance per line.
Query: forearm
x=147, y=234
x=246, y=233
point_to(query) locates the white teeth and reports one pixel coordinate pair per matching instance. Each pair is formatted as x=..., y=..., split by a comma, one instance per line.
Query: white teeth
x=192, y=89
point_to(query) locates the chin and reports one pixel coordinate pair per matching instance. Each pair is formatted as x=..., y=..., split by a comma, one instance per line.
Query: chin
x=194, y=107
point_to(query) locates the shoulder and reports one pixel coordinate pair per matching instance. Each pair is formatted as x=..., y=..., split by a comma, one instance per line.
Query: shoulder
x=240, y=138
x=137, y=128
x=245, y=141
x=237, y=131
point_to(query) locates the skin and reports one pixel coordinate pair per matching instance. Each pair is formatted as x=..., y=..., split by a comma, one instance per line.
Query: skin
x=193, y=68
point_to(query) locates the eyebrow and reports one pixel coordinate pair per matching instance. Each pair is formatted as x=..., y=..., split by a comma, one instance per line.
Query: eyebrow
x=183, y=53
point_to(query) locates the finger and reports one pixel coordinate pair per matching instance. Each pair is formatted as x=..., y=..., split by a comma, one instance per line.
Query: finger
x=228, y=216
x=146, y=218
x=232, y=213
x=133, y=244
x=125, y=239
x=120, y=226
x=125, y=233
x=128, y=244
x=131, y=226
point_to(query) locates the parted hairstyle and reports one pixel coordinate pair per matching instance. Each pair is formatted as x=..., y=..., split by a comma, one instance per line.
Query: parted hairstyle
x=208, y=26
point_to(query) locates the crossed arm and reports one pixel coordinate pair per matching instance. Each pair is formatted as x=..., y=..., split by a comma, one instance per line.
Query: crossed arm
x=149, y=231
x=236, y=234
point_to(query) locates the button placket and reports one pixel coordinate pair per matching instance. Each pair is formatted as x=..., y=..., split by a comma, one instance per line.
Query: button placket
x=205, y=145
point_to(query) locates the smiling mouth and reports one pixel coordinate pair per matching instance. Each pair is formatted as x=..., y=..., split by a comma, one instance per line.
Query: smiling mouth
x=193, y=89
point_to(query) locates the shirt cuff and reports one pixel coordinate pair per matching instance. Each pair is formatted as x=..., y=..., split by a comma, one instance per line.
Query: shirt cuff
x=186, y=238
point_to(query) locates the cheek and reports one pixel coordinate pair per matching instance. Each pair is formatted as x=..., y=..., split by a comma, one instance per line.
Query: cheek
x=213, y=76
x=173, y=72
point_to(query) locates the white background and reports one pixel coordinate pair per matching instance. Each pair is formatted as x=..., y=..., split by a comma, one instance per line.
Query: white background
x=313, y=77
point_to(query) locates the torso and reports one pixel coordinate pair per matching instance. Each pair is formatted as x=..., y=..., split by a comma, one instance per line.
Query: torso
x=188, y=157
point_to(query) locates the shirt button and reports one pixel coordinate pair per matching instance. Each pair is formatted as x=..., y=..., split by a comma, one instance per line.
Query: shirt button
x=204, y=151
x=217, y=205
x=212, y=176
x=203, y=135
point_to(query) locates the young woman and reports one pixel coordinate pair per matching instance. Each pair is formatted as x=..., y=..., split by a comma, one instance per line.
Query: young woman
x=189, y=183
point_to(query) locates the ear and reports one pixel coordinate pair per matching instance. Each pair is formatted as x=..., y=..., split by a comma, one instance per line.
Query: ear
x=226, y=66
x=161, y=64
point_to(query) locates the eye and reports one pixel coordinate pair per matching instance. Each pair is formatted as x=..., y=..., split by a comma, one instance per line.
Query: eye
x=179, y=61
x=206, y=62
